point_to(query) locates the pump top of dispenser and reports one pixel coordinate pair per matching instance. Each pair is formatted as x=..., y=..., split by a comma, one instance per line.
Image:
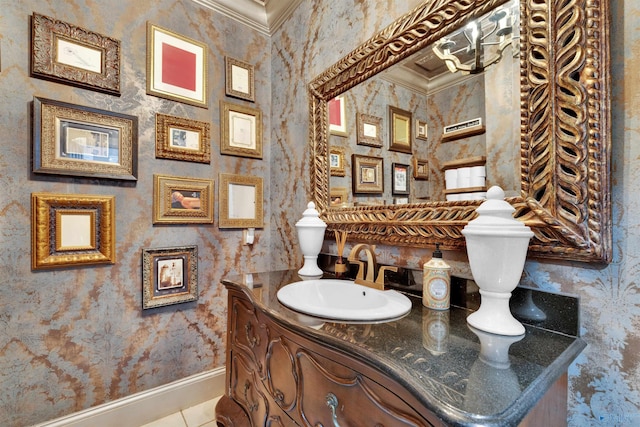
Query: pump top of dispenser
x=495, y=216
x=437, y=253
x=311, y=217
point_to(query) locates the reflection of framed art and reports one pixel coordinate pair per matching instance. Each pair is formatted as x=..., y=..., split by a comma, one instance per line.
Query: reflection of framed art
x=176, y=67
x=420, y=169
x=369, y=130
x=400, y=135
x=421, y=129
x=339, y=196
x=337, y=116
x=241, y=129
x=239, y=79
x=68, y=54
x=399, y=179
x=368, y=177
x=72, y=230
x=82, y=141
x=178, y=200
x=336, y=161
x=240, y=201
x=179, y=138
x=400, y=200
x=169, y=276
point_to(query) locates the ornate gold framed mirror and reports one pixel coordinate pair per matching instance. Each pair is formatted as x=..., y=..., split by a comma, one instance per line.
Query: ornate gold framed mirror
x=564, y=130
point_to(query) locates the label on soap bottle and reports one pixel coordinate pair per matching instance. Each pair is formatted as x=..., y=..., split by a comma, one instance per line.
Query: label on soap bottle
x=436, y=285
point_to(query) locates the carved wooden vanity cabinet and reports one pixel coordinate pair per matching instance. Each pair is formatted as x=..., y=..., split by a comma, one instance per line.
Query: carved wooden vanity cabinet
x=286, y=369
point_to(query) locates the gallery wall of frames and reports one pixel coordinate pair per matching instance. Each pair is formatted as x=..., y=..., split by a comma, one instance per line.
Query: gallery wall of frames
x=82, y=141
x=136, y=160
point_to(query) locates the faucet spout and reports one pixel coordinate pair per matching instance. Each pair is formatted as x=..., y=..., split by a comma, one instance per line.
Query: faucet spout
x=354, y=257
x=370, y=279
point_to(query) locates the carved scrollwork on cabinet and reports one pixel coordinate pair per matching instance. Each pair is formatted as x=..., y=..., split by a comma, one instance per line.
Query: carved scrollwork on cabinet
x=277, y=378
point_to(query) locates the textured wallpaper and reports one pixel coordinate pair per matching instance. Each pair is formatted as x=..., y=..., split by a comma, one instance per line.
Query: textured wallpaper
x=74, y=338
x=604, y=380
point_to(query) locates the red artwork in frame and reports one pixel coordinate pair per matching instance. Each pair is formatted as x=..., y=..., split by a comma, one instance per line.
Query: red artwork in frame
x=176, y=67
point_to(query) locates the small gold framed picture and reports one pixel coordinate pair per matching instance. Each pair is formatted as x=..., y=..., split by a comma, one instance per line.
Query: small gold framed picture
x=70, y=230
x=180, y=200
x=241, y=130
x=179, y=138
x=240, y=201
x=368, y=176
x=369, y=130
x=169, y=276
x=239, y=79
x=336, y=161
x=400, y=130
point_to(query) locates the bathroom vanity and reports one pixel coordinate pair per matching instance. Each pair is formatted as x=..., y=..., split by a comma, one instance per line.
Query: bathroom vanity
x=428, y=368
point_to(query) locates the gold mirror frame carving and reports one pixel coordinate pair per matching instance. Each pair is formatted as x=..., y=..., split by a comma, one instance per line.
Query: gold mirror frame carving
x=565, y=130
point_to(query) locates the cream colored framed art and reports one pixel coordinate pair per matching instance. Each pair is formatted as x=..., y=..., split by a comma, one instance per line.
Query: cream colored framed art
x=180, y=200
x=241, y=130
x=241, y=203
x=239, y=79
x=70, y=230
x=66, y=53
x=179, y=138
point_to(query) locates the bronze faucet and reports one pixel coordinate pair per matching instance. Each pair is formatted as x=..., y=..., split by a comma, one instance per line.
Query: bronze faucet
x=369, y=280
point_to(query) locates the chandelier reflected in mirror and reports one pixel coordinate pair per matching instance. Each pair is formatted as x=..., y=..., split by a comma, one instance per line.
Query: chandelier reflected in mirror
x=482, y=42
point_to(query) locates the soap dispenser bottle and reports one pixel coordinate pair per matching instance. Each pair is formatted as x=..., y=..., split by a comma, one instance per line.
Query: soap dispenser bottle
x=436, y=282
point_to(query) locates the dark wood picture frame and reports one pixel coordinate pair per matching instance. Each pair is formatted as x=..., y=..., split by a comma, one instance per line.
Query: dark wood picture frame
x=69, y=54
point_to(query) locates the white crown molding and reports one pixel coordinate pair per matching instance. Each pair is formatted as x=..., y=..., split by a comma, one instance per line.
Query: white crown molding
x=264, y=18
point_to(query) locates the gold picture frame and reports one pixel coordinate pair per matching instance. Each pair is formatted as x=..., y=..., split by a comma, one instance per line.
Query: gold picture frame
x=400, y=130
x=369, y=130
x=73, y=140
x=420, y=169
x=368, y=175
x=179, y=138
x=336, y=109
x=69, y=230
x=422, y=130
x=73, y=55
x=239, y=79
x=180, y=200
x=241, y=130
x=169, y=276
x=339, y=197
x=186, y=83
x=336, y=161
x=241, y=203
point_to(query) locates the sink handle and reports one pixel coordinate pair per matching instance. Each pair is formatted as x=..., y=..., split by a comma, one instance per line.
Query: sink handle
x=332, y=403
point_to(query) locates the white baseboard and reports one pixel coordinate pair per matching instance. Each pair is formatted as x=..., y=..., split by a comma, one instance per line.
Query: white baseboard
x=142, y=408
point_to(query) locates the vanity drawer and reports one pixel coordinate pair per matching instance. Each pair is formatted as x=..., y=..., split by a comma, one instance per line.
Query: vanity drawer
x=333, y=394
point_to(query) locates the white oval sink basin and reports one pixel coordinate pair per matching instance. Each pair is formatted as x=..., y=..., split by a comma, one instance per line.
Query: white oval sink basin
x=343, y=300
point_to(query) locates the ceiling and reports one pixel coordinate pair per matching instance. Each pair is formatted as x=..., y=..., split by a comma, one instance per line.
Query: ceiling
x=265, y=16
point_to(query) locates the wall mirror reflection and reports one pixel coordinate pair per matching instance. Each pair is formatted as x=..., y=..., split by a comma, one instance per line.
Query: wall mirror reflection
x=480, y=77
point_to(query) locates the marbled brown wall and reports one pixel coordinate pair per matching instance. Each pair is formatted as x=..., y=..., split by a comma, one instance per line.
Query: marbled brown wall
x=604, y=381
x=74, y=338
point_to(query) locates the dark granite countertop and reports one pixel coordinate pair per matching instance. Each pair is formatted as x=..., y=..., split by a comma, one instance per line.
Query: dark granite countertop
x=465, y=376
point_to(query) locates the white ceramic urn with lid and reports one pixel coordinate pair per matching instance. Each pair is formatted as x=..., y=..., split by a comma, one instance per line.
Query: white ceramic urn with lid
x=310, y=237
x=497, y=247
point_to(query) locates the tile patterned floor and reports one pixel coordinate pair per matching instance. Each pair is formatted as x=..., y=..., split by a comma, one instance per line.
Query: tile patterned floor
x=202, y=415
